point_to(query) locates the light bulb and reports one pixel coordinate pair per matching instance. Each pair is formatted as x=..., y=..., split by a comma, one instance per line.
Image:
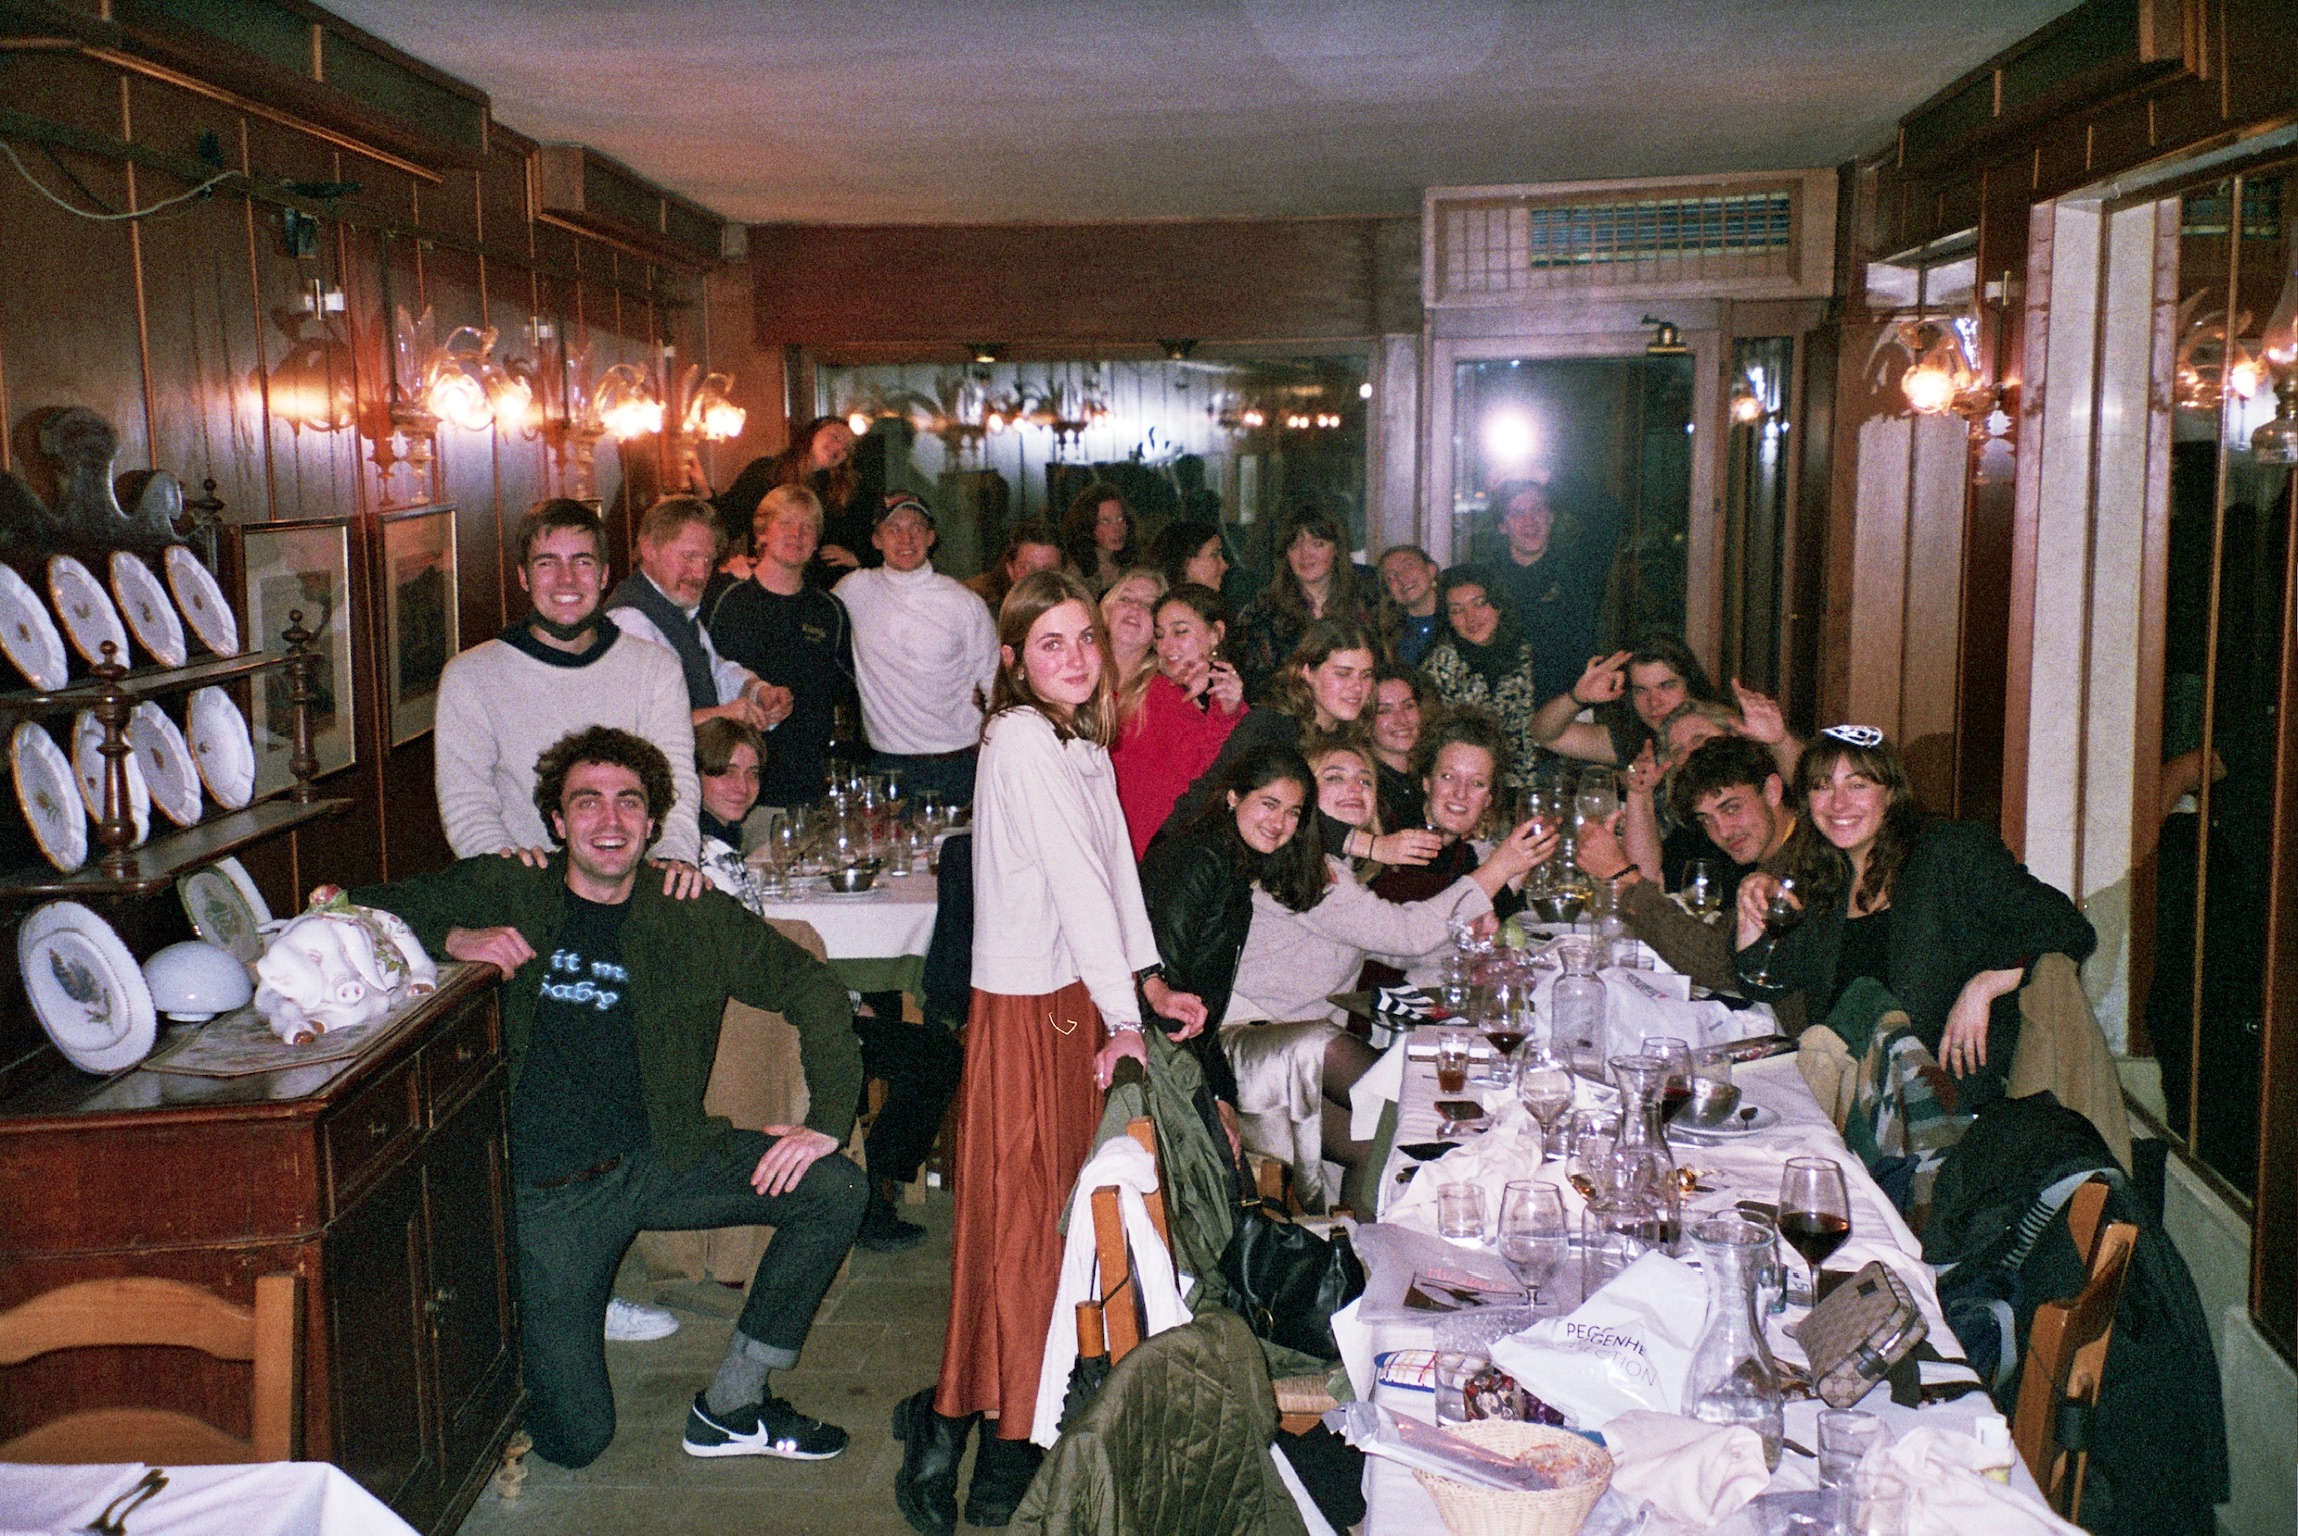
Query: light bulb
x=2278, y=346
x=722, y=419
x=2245, y=377
x=1509, y=437
x=455, y=396
x=1746, y=406
x=632, y=417
x=1928, y=386
x=859, y=424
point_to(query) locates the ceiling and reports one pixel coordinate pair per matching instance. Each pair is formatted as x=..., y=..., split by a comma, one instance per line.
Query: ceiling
x=877, y=111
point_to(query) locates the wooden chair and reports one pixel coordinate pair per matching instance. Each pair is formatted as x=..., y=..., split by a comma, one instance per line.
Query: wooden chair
x=139, y=1310
x=2066, y=1355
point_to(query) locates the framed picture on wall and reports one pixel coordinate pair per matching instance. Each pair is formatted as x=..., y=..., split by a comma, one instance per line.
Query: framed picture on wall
x=301, y=567
x=420, y=627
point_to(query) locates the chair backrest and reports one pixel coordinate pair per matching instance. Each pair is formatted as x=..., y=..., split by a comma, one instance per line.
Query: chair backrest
x=1112, y=1324
x=140, y=1310
x=2066, y=1354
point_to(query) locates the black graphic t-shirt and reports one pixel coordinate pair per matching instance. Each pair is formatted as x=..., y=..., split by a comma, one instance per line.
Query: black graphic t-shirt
x=578, y=1101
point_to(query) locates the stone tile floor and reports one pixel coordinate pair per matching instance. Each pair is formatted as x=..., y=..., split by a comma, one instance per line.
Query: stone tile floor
x=877, y=1339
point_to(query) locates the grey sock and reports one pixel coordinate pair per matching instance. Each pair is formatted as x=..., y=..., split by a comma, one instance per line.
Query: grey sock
x=741, y=1378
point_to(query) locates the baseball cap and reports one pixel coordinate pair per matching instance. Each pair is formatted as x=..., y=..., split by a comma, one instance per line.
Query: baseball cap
x=902, y=501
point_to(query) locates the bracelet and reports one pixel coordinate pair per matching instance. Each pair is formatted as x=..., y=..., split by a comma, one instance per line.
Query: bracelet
x=1573, y=693
x=1122, y=1027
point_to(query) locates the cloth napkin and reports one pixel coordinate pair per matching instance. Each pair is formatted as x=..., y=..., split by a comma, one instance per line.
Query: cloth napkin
x=1947, y=1494
x=1693, y=1473
x=1382, y=1083
x=1510, y=1150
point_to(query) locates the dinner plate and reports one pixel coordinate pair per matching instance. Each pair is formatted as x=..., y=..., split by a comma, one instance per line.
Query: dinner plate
x=86, y=609
x=220, y=912
x=202, y=601
x=1732, y=1129
x=29, y=636
x=221, y=746
x=88, y=768
x=86, y=988
x=144, y=604
x=49, y=795
x=169, y=771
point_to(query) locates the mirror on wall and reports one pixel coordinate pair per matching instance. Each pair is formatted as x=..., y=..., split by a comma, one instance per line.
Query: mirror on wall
x=1235, y=441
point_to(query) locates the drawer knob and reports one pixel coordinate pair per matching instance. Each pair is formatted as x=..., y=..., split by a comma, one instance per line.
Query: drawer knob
x=378, y=1130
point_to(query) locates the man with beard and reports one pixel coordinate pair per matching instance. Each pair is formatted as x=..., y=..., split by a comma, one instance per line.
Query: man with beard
x=560, y=668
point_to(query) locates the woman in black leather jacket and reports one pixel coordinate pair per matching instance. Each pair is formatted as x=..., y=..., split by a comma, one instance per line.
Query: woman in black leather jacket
x=1261, y=828
x=1940, y=912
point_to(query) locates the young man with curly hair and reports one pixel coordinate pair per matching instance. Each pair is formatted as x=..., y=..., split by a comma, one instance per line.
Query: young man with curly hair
x=611, y=1006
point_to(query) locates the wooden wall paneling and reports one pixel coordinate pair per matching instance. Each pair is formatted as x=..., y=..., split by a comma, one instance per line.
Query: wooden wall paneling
x=2261, y=67
x=68, y=313
x=451, y=206
x=373, y=301
x=732, y=340
x=504, y=213
x=201, y=326
x=312, y=473
x=349, y=849
x=2187, y=109
x=1933, y=601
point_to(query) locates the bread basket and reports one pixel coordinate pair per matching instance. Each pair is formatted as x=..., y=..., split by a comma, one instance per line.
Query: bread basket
x=1559, y=1511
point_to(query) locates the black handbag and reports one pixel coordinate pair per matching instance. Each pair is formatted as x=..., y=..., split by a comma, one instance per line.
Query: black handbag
x=1286, y=1281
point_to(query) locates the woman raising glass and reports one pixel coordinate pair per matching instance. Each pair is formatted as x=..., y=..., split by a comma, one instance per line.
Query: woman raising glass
x=1937, y=911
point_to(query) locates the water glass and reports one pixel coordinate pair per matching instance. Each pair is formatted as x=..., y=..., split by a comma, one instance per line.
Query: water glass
x=1452, y=1061
x=1845, y=1437
x=1703, y=888
x=1878, y=1505
x=1460, y=1212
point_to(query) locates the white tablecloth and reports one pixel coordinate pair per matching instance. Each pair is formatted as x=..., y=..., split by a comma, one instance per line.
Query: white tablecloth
x=280, y=1498
x=1741, y=1168
x=893, y=918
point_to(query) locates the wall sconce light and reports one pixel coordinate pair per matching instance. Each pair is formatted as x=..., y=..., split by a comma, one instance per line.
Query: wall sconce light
x=1747, y=407
x=710, y=416
x=986, y=351
x=859, y=423
x=1178, y=349
x=624, y=404
x=2276, y=441
x=1939, y=375
x=1667, y=340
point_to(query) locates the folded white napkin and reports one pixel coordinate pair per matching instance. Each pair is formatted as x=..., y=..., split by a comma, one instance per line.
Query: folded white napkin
x=1947, y=1494
x=1381, y=1084
x=1510, y=1150
x=1693, y=1473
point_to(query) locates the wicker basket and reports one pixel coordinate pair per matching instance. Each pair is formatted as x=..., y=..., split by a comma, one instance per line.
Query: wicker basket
x=1561, y=1511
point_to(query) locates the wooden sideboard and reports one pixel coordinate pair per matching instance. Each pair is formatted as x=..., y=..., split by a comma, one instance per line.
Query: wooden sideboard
x=381, y=1180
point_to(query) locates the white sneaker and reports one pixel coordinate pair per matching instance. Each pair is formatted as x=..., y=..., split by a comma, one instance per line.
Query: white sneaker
x=629, y=1322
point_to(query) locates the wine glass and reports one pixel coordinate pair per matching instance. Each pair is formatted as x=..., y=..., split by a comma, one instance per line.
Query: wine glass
x=1599, y=795
x=1502, y=1026
x=1814, y=1211
x=1544, y=1088
x=1779, y=915
x=1703, y=888
x=1533, y=1238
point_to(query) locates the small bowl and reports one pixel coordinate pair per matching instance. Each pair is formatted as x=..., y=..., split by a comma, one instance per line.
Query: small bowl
x=192, y=982
x=854, y=877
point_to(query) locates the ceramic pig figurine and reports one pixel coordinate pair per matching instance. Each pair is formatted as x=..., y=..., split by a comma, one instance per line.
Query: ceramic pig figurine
x=337, y=967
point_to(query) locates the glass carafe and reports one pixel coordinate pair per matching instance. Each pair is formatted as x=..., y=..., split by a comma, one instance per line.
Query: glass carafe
x=1732, y=1379
x=1576, y=1009
x=1642, y=1159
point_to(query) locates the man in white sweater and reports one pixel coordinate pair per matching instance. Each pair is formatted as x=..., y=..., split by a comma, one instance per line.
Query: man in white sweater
x=561, y=668
x=925, y=656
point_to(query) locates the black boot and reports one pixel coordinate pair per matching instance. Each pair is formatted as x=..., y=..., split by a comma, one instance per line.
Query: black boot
x=883, y=1230
x=925, y=1489
x=1002, y=1472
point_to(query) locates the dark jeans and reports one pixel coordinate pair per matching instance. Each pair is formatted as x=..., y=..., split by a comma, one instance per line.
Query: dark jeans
x=920, y=1064
x=949, y=777
x=572, y=1239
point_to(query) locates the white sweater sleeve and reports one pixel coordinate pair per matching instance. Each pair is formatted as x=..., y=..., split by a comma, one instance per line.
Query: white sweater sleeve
x=1352, y=914
x=665, y=720
x=981, y=639
x=463, y=757
x=1096, y=898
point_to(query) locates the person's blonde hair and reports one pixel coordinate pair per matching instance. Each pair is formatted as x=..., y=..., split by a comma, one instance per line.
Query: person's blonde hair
x=1032, y=598
x=1134, y=686
x=787, y=498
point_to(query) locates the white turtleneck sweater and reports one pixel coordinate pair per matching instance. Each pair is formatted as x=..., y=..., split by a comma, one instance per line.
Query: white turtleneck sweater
x=923, y=647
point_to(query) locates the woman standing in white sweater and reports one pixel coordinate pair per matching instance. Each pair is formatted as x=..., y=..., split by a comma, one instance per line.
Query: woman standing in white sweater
x=1063, y=962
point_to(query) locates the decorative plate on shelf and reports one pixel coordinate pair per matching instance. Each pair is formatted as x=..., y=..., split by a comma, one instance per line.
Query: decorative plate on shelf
x=222, y=747
x=202, y=601
x=49, y=795
x=87, y=989
x=29, y=636
x=246, y=883
x=144, y=604
x=169, y=771
x=88, y=768
x=87, y=611
x=219, y=911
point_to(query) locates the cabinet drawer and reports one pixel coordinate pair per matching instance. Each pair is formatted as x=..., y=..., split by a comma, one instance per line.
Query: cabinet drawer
x=368, y=1133
x=455, y=1062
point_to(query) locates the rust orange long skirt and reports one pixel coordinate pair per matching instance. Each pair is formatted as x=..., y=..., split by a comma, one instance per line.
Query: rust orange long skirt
x=1028, y=1107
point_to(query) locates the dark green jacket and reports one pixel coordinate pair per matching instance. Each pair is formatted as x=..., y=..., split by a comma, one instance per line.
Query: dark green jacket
x=685, y=959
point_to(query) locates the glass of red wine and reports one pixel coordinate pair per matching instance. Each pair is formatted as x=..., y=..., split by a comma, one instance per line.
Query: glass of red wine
x=1676, y=1084
x=1814, y=1211
x=1780, y=914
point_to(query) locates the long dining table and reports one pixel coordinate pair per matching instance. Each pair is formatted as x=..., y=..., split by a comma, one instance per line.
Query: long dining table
x=1732, y=1167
